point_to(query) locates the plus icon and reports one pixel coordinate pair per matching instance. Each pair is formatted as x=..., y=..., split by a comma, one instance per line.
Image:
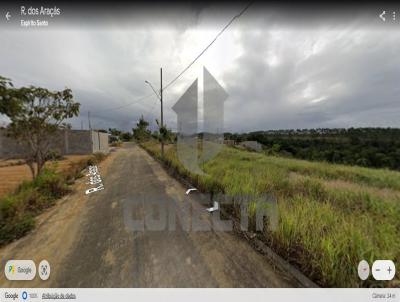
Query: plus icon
x=389, y=270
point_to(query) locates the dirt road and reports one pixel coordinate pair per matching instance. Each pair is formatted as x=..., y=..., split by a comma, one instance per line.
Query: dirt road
x=89, y=241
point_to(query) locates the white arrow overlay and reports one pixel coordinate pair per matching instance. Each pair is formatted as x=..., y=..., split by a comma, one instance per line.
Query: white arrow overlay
x=214, y=208
x=190, y=190
x=213, y=126
x=186, y=109
x=382, y=16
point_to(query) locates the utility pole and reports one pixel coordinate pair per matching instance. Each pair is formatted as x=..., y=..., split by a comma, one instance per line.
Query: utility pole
x=81, y=125
x=90, y=126
x=160, y=97
x=162, y=114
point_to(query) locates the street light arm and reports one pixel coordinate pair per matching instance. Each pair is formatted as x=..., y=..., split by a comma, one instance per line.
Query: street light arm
x=158, y=96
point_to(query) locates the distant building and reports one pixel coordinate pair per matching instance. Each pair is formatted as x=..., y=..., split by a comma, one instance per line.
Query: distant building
x=252, y=145
x=229, y=142
x=65, y=142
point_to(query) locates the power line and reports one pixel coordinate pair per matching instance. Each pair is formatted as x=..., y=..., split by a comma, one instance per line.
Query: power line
x=209, y=45
x=187, y=67
x=127, y=105
x=149, y=111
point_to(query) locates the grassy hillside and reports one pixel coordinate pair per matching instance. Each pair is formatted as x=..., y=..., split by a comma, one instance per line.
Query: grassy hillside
x=331, y=216
x=364, y=147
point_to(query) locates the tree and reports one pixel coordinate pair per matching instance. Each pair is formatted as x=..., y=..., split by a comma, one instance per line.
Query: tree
x=275, y=148
x=141, y=132
x=126, y=136
x=115, y=132
x=165, y=135
x=36, y=114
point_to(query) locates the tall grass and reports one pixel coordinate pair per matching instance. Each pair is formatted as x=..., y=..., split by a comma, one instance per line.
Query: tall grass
x=324, y=231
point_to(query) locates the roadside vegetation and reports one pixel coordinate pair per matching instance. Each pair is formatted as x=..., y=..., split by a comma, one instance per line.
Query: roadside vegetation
x=116, y=144
x=365, y=147
x=330, y=216
x=18, y=209
x=36, y=114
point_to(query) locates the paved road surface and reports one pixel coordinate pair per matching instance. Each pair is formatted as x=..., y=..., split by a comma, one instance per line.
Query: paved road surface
x=88, y=244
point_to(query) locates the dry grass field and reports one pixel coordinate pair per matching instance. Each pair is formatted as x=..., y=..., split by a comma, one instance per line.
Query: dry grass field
x=12, y=174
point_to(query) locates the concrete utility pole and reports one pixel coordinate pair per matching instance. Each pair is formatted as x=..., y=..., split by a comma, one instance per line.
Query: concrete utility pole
x=160, y=97
x=90, y=126
x=162, y=113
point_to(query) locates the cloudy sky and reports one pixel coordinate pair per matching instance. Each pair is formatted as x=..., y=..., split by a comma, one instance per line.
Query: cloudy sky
x=279, y=73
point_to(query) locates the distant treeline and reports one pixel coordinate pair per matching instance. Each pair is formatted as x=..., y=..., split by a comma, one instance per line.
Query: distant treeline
x=368, y=147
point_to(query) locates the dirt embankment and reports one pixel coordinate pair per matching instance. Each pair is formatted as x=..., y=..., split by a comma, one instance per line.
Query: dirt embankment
x=56, y=229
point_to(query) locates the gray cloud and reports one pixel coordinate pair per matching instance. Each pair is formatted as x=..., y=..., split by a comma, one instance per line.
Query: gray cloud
x=277, y=75
x=315, y=78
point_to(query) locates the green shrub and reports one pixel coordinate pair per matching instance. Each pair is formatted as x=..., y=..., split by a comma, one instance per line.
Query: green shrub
x=17, y=210
x=18, y=228
x=95, y=159
x=116, y=144
x=16, y=213
x=51, y=184
x=74, y=171
x=54, y=155
x=99, y=157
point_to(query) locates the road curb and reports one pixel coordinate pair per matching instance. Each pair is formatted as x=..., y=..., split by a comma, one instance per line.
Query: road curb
x=274, y=258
